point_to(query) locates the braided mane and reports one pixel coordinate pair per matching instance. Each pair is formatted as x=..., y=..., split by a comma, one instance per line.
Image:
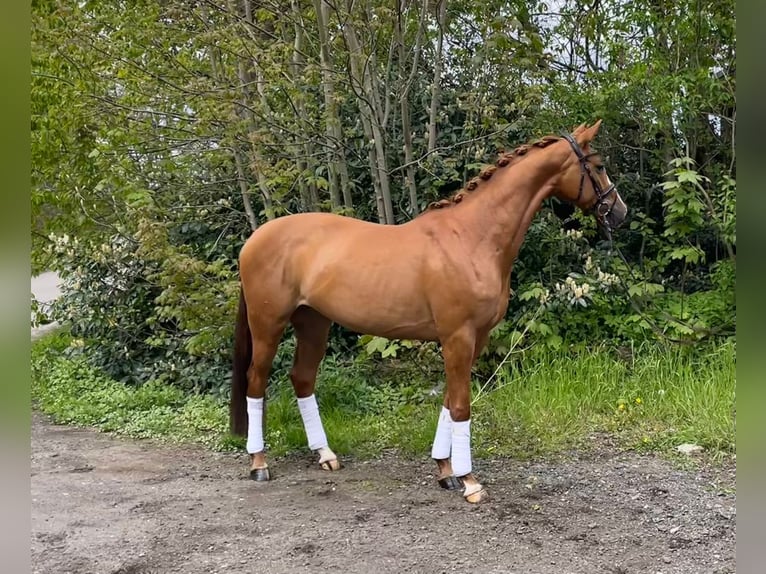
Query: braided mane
x=486, y=173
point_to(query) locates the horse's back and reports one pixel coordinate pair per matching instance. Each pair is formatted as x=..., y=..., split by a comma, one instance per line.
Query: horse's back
x=300, y=232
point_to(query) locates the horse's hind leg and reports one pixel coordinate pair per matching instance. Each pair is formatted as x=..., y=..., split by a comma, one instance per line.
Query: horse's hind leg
x=311, y=332
x=265, y=341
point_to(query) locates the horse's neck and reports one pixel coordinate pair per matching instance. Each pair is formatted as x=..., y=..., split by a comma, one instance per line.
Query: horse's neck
x=513, y=196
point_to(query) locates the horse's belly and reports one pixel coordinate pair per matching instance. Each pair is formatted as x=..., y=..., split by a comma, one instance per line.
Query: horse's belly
x=383, y=302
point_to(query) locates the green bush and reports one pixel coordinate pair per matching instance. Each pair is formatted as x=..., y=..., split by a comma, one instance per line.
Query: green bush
x=70, y=390
x=147, y=308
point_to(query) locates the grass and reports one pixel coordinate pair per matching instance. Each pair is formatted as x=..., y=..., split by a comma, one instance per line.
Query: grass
x=657, y=399
x=542, y=403
x=72, y=392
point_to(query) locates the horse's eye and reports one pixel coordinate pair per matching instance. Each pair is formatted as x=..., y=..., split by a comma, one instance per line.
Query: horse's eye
x=600, y=168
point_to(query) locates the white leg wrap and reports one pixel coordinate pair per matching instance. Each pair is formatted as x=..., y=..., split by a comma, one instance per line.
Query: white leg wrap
x=443, y=438
x=254, y=425
x=312, y=422
x=325, y=454
x=461, y=447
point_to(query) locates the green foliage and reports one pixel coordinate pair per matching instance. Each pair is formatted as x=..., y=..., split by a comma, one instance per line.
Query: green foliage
x=574, y=294
x=649, y=397
x=71, y=391
x=381, y=346
x=683, y=212
x=156, y=126
x=161, y=315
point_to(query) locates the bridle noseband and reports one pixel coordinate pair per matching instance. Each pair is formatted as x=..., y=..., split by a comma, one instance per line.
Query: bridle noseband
x=601, y=207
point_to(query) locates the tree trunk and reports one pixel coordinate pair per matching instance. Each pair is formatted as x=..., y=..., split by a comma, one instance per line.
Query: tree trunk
x=441, y=20
x=243, y=188
x=373, y=160
x=337, y=168
x=369, y=108
x=307, y=189
x=257, y=163
x=263, y=185
x=408, y=155
x=406, y=83
x=381, y=165
x=239, y=162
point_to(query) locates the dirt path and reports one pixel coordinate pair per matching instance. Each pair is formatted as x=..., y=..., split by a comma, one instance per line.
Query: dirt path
x=105, y=505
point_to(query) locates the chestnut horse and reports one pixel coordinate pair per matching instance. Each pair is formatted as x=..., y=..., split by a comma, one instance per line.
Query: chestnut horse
x=444, y=276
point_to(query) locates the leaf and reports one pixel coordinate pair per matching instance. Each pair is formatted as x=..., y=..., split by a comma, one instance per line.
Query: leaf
x=390, y=351
x=533, y=293
x=364, y=339
x=689, y=254
x=688, y=176
x=554, y=341
x=645, y=289
x=377, y=345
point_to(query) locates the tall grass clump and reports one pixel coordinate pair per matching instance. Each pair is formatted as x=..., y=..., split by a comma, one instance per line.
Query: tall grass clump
x=648, y=397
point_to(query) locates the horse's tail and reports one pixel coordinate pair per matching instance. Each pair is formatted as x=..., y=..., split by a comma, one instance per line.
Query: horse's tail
x=243, y=354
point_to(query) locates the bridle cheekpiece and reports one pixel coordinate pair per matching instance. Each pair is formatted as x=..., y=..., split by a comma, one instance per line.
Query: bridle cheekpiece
x=602, y=207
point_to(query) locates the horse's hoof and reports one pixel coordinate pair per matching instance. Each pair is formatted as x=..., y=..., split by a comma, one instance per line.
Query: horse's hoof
x=480, y=495
x=451, y=483
x=331, y=465
x=260, y=474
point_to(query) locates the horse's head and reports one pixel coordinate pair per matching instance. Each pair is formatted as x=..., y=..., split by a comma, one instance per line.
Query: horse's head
x=586, y=183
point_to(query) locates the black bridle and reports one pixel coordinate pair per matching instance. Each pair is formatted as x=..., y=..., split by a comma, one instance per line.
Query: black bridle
x=602, y=207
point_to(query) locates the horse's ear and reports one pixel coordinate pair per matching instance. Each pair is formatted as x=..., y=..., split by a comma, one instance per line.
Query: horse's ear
x=590, y=133
x=578, y=129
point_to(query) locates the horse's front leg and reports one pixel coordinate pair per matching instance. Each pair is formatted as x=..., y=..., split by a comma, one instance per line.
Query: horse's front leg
x=458, y=350
x=442, y=448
